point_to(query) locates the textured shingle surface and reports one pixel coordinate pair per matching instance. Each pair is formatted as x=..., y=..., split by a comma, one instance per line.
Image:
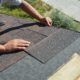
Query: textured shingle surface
x=48, y=30
x=53, y=44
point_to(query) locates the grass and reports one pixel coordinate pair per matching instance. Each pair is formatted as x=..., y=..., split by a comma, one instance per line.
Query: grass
x=61, y=20
x=15, y=11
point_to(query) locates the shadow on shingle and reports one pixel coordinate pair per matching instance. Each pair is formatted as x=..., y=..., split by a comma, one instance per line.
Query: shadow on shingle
x=22, y=26
x=14, y=52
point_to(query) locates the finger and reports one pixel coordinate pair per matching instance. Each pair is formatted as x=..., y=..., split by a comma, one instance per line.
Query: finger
x=47, y=20
x=24, y=41
x=50, y=23
x=20, y=48
x=23, y=45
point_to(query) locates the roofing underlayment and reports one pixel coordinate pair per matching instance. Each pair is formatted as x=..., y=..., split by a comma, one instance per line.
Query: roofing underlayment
x=50, y=48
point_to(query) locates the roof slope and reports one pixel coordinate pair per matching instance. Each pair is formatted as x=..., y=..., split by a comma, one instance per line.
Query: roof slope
x=46, y=42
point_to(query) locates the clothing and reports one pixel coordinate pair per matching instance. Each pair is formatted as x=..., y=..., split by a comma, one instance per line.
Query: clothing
x=2, y=23
x=12, y=2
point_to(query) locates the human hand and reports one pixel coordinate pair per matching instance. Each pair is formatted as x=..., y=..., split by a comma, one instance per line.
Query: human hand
x=46, y=21
x=16, y=44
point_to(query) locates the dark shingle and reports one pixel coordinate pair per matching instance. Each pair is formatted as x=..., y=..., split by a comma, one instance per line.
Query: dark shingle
x=31, y=35
x=4, y=38
x=53, y=44
x=48, y=30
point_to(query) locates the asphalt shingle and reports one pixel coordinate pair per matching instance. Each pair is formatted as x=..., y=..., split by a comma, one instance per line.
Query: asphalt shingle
x=4, y=38
x=48, y=30
x=52, y=45
x=31, y=35
x=35, y=27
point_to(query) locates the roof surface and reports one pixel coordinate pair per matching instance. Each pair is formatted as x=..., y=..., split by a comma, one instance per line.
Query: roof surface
x=49, y=45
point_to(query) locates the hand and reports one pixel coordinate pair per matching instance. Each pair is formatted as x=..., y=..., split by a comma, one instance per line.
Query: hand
x=16, y=44
x=46, y=21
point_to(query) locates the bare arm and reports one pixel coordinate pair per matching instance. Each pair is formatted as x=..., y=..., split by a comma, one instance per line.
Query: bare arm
x=31, y=11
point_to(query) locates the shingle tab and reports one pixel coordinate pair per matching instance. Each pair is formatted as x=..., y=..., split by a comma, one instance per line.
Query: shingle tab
x=31, y=35
x=4, y=38
x=48, y=30
x=35, y=28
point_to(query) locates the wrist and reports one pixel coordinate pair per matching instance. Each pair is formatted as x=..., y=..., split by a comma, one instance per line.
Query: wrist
x=2, y=48
x=40, y=18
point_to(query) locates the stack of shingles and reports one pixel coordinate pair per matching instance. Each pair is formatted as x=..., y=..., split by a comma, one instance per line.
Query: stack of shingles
x=46, y=41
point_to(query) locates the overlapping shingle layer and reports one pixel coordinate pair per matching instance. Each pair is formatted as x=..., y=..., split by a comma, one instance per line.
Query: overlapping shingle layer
x=46, y=42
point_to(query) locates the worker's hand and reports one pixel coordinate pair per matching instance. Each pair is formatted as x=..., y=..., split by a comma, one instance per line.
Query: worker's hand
x=16, y=44
x=46, y=21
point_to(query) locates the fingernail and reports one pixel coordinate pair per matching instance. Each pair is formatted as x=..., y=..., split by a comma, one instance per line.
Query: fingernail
x=24, y=48
x=28, y=42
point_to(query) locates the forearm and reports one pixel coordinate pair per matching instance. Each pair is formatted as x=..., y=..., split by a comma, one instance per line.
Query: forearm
x=30, y=10
x=2, y=48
